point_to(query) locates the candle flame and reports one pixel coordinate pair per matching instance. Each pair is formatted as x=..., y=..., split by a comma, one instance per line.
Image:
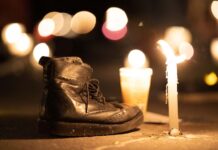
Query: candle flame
x=136, y=59
x=166, y=48
x=186, y=51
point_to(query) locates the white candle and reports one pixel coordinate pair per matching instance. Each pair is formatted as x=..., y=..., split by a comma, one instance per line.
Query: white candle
x=172, y=93
x=172, y=81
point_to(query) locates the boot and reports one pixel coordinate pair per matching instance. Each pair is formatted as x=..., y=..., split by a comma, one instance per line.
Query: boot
x=73, y=104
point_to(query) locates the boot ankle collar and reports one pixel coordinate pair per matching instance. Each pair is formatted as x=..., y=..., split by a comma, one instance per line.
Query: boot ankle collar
x=45, y=60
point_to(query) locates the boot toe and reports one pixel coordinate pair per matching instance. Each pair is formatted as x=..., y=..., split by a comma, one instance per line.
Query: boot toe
x=125, y=114
x=132, y=111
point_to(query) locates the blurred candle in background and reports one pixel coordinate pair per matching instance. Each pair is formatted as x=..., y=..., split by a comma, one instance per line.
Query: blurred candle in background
x=135, y=80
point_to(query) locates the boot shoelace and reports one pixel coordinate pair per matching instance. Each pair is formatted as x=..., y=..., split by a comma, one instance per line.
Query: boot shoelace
x=91, y=90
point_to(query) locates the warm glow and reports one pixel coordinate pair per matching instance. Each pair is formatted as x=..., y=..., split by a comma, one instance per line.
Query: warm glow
x=83, y=22
x=58, y=19
x=50, y=15
x=11, y=32
x=46, y=27
x=62, y=23
x=186, y=49
x=40, y=50
x=214, y=49
x=22, y=46
x=210, y=79
x=136, y=59
x=166, y=48
x=214, y=9
x=116, y=19
x=114, y=35
x=135, y=87
x=176, y=35
x=66, y=27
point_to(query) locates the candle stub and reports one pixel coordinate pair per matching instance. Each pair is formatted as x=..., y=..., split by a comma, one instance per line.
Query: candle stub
x=135, y=85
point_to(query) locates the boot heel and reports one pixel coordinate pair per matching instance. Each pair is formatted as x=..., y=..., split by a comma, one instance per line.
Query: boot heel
x=43, y=127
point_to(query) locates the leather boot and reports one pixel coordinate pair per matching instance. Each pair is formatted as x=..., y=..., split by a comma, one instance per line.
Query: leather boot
x=73, y=104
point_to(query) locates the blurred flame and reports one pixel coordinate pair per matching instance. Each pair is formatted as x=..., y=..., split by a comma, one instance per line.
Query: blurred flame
x=114, y=35
x=83, y=22
x=166, y=48
x=210, y=79
x=41, y=49
x=214, y=9
x=136, y=59
x=66, y=27
x=116, y=19
x=175, y=35
x=186, y=49
x=46, y=27
x=22, y=46
x=11, y=32
x=58, y=20
x=214, y=49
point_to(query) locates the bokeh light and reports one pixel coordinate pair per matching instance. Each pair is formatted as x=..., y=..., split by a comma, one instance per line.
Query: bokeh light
x=46, y=27
x=58, y=19
x=114, y=35
x=214, y=49
x=62, y=24
x=214, y=9
x=22, y=46
x=83, y=22
x=66, y=25
x=41, y=49
x=175, y=35
x=136, y=59
x=116, y=19
x=186, y=50
x=210, y=79
x=11, y=32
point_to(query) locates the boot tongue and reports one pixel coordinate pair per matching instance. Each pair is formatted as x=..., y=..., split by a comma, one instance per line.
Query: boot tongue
x=72, y=68
x=67, y=68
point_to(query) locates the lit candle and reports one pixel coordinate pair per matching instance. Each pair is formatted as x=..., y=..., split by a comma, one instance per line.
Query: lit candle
x=135, y=81
x=186, y=52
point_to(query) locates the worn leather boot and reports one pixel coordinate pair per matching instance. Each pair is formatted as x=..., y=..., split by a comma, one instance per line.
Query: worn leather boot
x=73, y=104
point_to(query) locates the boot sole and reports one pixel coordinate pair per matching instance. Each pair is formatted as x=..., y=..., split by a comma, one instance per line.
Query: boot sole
x=88, y=129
